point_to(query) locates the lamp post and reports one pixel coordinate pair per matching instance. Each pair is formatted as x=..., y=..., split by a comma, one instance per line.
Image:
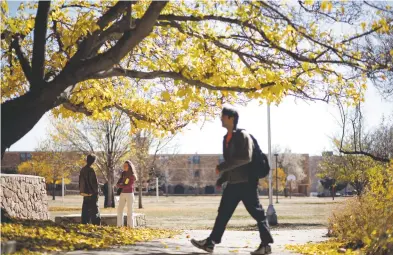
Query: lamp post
x=276, y=155
x=271, y=213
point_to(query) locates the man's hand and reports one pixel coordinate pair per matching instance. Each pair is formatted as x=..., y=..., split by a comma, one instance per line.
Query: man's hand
x=217, y=171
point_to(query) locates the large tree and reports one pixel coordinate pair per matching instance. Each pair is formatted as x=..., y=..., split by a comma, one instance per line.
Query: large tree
x=165, y=62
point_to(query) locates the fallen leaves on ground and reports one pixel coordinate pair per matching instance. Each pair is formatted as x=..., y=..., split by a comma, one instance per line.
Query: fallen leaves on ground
x=330, y=247
x=51, y=237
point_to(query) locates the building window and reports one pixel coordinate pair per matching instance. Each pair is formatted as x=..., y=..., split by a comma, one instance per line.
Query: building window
x=197, y=173
x=196, y=159
x=24, y=156
x=221, y=159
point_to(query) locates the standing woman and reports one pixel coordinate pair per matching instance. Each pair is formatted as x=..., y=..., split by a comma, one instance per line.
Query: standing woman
x=126, y=183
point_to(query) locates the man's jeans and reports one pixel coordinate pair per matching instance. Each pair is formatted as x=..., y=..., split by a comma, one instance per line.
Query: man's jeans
x=90, y=211
x=233, y=194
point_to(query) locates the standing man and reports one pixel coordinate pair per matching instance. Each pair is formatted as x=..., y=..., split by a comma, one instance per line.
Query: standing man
x=235, y=170
x=88, y=188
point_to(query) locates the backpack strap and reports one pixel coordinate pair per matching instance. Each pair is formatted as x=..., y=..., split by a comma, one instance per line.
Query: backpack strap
x=254, y=144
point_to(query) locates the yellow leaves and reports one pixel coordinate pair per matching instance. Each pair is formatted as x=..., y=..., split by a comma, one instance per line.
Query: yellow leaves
x=363, y=24
x=166, y=96
x=309, y=2
x=327, y=5
x=391, y=53
x=4, y=7
x=305, y=66
x=330, y=247
x=385, y=25
x=47, y=236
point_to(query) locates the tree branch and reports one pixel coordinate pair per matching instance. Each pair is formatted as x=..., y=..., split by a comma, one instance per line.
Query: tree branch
x=222, y=45
x=295, y=56
x=128, y=41
x=139, y=116
x=58, y=39
x=41, y=25
x=76, y=108
x=24, y=62
x=376, y=158
x=172, y=75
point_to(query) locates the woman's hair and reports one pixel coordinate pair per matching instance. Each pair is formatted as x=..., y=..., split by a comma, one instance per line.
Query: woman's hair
x=131, y=168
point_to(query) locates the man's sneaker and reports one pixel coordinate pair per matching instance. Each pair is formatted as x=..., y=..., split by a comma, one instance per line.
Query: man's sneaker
x=263, y=249
x=206, y=244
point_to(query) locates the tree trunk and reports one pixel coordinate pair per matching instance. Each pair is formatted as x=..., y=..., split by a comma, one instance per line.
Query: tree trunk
x=19, y=116
x=110, y=188
x=333, y=191
x=140, y=194
x=53, y=190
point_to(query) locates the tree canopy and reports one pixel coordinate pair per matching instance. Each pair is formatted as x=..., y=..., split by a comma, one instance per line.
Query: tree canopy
x=168, y=63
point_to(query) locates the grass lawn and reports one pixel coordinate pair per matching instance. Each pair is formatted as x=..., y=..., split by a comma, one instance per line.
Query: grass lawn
x=199, y=212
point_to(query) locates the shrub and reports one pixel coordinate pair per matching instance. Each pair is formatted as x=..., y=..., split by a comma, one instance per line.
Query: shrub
x=367, y=221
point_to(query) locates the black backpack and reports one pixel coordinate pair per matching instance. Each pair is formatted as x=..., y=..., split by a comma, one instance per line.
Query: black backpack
x=259, y=165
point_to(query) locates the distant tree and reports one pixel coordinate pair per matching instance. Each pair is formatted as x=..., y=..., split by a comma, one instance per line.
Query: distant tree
x=376, y=143
x=264, y=183
x=53, y=162
x=109, y=139
x=142, y=143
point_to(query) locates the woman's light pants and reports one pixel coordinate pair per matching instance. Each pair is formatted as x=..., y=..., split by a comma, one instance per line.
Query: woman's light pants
x=126, y=198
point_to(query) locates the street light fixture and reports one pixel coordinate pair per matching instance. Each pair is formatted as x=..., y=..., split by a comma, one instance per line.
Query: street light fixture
x=271, y=213
x=276, y=155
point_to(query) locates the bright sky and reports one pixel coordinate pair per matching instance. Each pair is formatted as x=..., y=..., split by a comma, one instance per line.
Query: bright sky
x=303, y=127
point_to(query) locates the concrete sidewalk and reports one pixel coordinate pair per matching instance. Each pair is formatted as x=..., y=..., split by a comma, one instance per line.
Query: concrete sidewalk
x=233, y=242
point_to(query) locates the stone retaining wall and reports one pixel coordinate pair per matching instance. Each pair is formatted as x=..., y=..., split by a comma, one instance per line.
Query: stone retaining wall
x=24, y=196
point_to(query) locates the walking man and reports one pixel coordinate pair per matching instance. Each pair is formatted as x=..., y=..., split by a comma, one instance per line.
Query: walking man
x=241, y=186
x=88, y=188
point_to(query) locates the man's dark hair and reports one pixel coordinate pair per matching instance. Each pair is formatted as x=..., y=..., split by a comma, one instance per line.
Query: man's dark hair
x=91, y=158
x=232, y=113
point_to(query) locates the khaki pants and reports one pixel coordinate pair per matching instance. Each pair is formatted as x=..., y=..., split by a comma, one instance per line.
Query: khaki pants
x=126, y=198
